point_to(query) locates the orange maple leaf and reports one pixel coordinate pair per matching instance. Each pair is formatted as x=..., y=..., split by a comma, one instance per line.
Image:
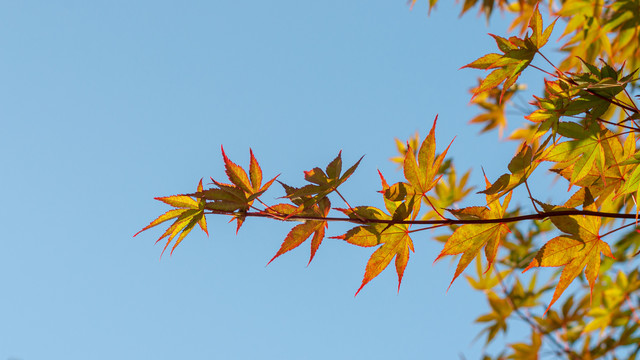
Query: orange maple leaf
x=239, y=195
x=188, y=212
x=470, y=238
x=394, y=238
x=300, y=233
x=422, y=174
x=580, y=249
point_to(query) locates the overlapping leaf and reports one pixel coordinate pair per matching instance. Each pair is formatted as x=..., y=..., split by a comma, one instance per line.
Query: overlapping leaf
x=587, y=150
x=422, y=174
x=233, y=199
x=237, y=197
x=497, y=317
x=591, y=93
x=623, y=27
x=603, y=186
x=589, y=38
x=630, y=168
x=413, y=143
x=551, y=107
x=322, y=184
x=597, y=89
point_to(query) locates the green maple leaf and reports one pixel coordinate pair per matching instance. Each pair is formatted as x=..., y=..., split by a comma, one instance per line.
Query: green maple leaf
x=596, y=89
x=605, y=186
x=587, y=149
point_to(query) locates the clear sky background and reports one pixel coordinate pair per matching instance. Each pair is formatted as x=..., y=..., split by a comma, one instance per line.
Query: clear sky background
x=105, y=105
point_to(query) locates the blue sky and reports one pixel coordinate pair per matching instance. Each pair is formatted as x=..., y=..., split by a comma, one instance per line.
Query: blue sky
x=106, y=105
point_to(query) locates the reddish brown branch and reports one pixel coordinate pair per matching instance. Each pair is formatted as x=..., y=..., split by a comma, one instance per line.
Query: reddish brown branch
x=510, y=219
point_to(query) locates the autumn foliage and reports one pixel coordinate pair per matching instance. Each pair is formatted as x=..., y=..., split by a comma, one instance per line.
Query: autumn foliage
x=582, y=129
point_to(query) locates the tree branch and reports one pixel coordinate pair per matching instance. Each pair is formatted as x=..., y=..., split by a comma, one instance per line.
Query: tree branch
x=509, y=219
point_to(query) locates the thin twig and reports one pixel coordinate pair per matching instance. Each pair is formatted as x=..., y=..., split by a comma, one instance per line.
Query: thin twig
x=633, y=309
x=618, y=124
x=562, y=348
x=543, y=70
x=550, y=63
x=526, y=184
x=434, y=208
x=349, y=206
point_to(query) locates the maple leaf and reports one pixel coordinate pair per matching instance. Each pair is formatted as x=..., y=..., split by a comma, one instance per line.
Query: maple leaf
x=486, y=6
x=468, y=239
x=403, y=147
x=493, y=107
x=630, y=168
x=586, y=150
x=579, y=249
x=590, y=93
x=422, y=173
x=432, y=3
x=238, y=196
x=521, y=167
x=597, y=89
x=188, y=213
x=486, y=280
x=586, y=22
x=555, y=104
x=605, y=186
x=394, y=238
x=300, y=233
x=500, y=311
x=524, y=11
x=448, y=192
x=522, y=351
x=322, y=183
x=517, y=55
x=623, y=26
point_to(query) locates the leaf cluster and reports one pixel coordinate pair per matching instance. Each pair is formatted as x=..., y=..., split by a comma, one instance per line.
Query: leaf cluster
x=582, y=129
